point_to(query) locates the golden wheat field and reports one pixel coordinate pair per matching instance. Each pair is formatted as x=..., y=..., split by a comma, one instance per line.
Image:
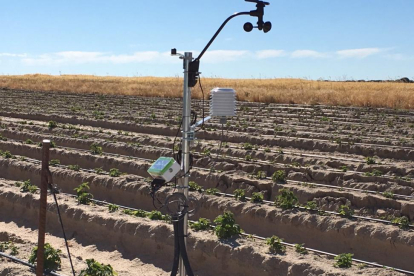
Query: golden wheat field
x=292, y=91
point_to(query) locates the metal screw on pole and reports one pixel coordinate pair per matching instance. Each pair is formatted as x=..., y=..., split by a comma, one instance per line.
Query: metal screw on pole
x=42, y=208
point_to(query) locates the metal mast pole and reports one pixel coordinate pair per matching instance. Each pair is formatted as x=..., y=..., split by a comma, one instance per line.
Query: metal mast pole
x=188, y=136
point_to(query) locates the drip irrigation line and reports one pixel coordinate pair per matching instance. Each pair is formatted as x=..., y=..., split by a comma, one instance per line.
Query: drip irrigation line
x=63, y=230
x=334, y=255
x=263, y=238
x=296, y=182
x=17, y=260
x=271, y=203
x=300, y=154
x=406, y=197
x=230, y=157
x=297, y=117
x=261, y=161
x=356, y=143
x=300, y=167
x=295, y=153
x=351, y=189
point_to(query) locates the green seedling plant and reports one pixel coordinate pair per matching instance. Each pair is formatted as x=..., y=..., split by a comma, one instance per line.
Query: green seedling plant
x=206, y=152
x=114, y=172
x=248, y=157
x=6, y=154
x=52, y=144
x=212, y=191
x=54, y=162
x=29, y=142
x=156, y=215
x=52, y=124
x=286, y=199
x=96, y=149
x=97, y=269
x=247, y=146
x=279, y=176
x=374, y=173
x=388, y=195
x=311, y=205
x=370, y=160
x=256, y=197
x=300, y=248
x=51, y=257
x=27, y=187
x=74, y=167
x=113, y=208
x=194, y=187
x=261, y=175
x=202, y=224
x=345, y=211
x=99, y=115
x=82, y=194
x=136, y=213
x=239, y=194
x=402, y=222
x=278, y=129
x=343, y=260
x=344, y=168
x=99, y=171
x=361, y=266
x=226, y=226
x=295, y=164
x=275, y=245
x=4, y=246
x=14, y=250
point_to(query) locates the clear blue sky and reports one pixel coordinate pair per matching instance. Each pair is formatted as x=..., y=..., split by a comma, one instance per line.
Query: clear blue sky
x=352, y=39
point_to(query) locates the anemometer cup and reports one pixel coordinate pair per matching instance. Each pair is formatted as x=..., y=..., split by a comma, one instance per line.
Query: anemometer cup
x=248, y=27
x=267, y=26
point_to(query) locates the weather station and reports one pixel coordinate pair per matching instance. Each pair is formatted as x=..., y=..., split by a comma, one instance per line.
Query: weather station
x=222, y=105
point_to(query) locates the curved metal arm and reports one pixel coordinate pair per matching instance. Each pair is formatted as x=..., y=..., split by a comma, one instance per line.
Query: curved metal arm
x=218, y=31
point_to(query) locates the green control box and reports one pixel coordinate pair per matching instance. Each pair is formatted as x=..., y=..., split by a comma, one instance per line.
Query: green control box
x=164, y=167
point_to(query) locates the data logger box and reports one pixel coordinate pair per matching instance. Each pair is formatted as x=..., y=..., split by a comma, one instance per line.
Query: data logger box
x=164, y=167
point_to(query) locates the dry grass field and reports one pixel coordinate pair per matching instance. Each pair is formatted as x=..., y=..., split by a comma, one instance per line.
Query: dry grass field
x=287, y=91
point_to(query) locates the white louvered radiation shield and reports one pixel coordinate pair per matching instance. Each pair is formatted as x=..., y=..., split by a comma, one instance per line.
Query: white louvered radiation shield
x=223, y=102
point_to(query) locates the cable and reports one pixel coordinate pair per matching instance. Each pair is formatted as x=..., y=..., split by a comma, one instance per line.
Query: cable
x=176, y=259
x=194, y=118
x=179, y=245
x=219, y=151
x=53, y=191
x=202, y=92
x=183, y=251
x=176, y=135
x=156, y=184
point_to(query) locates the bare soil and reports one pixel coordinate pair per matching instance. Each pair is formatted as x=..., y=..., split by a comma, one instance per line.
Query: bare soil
x=332, y=156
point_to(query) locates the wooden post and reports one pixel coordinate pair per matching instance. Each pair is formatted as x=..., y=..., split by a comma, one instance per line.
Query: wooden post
x=42, y=207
